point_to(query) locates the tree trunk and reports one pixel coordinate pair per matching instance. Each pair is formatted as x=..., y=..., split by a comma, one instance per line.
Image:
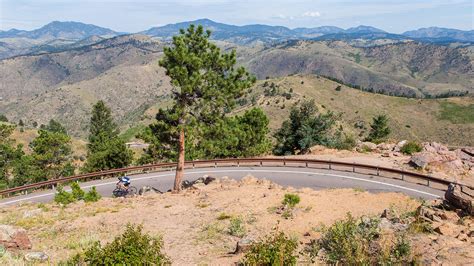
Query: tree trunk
x=180, y=165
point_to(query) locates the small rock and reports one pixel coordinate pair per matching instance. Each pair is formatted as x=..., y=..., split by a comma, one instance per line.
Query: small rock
x=463, y=237
x=243, y=245
x=32, y=213
x=36, y=256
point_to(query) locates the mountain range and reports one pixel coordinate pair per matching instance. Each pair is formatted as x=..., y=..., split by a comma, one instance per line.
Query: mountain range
x=60, y=70
x=78, y=30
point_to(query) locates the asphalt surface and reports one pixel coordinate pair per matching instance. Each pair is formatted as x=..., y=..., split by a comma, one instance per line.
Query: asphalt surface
x=285, y=176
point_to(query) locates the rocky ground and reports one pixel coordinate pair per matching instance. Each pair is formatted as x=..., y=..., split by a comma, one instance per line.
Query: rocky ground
x=434, y=159
x=195, y=224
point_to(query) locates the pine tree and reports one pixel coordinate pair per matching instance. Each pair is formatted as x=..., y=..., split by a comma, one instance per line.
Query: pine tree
x=51, y=152
x=105, y=149
x=205, y=83
x=54, y=126
x=102, y=127
x=379, y=129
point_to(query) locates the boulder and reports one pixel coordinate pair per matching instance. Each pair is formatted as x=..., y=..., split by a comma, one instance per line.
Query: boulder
x=459, y=199
x=36, y=256
x=14, y=237
x=385, y=147
x=399, y=146
x=147, y=190
x=448, y=229
x=434, y=147
x=366, y=146
x=422, y=159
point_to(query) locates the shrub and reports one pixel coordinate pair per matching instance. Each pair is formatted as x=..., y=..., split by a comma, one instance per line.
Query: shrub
x=379, y=129
x=411, y=147
x=338, y=88
x=236, y=227
x=291, y=200
x=359, y=242
x=77, y=192
x=131, y=248
x=275, y=249
x=223, y=216
x=92, y=195
x=63, y=197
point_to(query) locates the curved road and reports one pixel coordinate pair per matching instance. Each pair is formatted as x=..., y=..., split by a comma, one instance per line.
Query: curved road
x=285, y=176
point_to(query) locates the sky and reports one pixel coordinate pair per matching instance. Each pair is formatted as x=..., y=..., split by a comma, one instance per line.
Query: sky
x=132, y=16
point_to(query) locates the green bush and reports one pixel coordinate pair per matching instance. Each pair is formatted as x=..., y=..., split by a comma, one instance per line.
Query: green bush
x=358, y=242
x=63, y=197
x=411, y=147
x=291, y=200
x=131, y=248
x=236, y=227
x=275, y=249
x=77, y=192
x=92, y=195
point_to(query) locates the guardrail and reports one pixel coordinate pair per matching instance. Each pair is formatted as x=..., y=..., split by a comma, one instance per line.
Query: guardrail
x=407, y=176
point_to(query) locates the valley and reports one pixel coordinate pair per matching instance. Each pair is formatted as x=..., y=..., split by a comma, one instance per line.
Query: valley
x=123, y=71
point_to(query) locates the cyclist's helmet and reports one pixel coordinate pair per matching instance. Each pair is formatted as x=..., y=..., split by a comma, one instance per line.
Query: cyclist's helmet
x=125, y=180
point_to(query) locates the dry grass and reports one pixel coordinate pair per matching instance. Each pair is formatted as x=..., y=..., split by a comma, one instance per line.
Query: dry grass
x=413, y=119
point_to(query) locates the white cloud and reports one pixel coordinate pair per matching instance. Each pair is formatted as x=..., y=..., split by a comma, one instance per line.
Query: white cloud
x=311, y=14
x=283, y=17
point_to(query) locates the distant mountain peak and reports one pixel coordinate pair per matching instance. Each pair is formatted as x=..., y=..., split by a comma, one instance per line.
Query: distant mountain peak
x=364, y=29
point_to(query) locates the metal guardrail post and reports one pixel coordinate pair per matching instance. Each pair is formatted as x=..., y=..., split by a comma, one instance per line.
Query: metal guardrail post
x=428, y=182
x=215, y=164
x=261, y=163
x=378, y=171
x=330, y=167
x=306, y=164
x=353, y=168
x=403, y=177
x=238, y=163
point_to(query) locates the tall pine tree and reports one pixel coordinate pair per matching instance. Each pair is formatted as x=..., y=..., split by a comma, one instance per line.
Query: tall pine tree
x=205, y=83
x=105, y=149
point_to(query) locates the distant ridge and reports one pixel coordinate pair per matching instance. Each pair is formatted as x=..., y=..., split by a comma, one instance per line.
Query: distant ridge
x=58, y=29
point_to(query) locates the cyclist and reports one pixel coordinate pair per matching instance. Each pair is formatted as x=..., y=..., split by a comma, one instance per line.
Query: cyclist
x=124, y=183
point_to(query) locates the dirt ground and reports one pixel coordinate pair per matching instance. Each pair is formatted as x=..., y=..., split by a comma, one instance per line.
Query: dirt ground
x=189, y=222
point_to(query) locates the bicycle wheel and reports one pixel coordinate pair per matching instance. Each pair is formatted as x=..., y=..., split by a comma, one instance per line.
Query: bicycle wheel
x=118, y=192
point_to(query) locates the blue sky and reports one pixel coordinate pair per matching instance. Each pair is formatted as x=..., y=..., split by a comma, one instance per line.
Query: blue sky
x=131, y=16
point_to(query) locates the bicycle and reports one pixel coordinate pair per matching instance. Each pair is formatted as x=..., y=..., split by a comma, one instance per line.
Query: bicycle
x=121, y=192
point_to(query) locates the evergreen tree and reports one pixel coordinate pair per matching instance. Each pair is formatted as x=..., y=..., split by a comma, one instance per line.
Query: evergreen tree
x=52, y=152
x=54, y=126
x=205, y=83
x=105, y=149
x=8, y=154
x=102, y=127
x=304, y=129
x=3, y=118
x=379, y=129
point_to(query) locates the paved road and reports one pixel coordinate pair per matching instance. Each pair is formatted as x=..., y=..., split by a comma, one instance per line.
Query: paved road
x=285, y=176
